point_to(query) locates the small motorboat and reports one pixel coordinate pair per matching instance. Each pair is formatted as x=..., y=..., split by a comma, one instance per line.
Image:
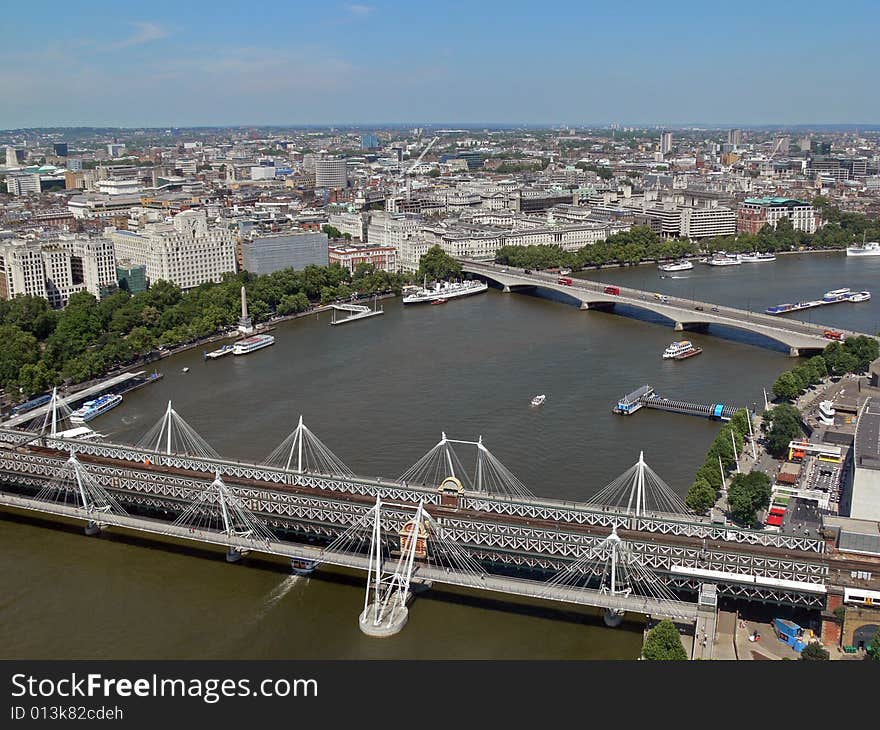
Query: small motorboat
x=440, y=301
x=186, y=370
x=538, y=400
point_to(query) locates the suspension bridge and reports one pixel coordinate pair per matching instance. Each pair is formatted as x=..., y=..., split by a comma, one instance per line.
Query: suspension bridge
x=633, y=547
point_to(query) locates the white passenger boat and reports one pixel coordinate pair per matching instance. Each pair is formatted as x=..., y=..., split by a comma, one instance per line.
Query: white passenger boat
x=724, y=259
x=538, y=400
x=859, y=296
x=446, y=290
x=836, y=295
x=872, y=248
x=249, y=344
x=94, y=408
x=677, y=349
x=756, y=258
x=681, y=265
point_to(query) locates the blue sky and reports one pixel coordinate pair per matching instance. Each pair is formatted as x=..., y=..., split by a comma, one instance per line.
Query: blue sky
x=202, y=63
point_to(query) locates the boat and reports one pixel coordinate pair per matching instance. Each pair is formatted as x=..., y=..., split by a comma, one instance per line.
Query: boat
x=681, y=265
x=564, y=272
x=859, y=296
x=219, y=352
x=786, y=308
x=678, y=348
x=186, y=370
x=688, y=353
x=303, y=566
x=249, y=344
x=724, y=259
x=446, y=290
x=836, y=295
x=440, y=301
x=94, y=408
x=538, y=400
x=756, y=258
x=872, y=248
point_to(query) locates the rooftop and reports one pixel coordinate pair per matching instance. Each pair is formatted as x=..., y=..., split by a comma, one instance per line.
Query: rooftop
x=867, y=442
x=775, y=201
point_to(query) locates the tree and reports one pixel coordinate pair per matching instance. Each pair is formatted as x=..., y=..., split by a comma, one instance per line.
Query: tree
x=664, y=644
x=785, y=426
x=788, y=386
x=814, y=651
x=747, y=494
x=864, y=349
x=331, y=231
x=35, y=378
x=701, y=496
x=437, y=264
x=19, y=349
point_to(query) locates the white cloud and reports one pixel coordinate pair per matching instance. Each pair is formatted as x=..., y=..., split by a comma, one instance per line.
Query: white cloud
x=144, y=32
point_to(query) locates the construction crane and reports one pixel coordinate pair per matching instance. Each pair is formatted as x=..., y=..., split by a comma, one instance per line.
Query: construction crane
x=414, y=165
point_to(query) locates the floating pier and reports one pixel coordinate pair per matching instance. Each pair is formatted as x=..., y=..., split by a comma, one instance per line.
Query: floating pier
x=645, y=397
x=355, y=311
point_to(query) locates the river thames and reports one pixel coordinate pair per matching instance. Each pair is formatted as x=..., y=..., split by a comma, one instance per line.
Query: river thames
x=378, y=393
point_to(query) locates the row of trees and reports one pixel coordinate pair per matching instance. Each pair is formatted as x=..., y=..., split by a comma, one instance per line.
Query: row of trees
x=720, y=456
x=854, y=355
x=638, y=244
x=43, y=347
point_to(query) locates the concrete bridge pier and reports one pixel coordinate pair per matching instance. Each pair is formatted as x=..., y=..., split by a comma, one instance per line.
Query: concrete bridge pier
x=794, y=352
x=613, y=617
x=92, y=528
x=392, y=622
x=233, y=555
x=584, y=306
x=506, y=289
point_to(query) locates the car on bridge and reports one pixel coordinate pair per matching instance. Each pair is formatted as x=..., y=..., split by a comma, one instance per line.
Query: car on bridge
x=833, y=335
x=612, y=290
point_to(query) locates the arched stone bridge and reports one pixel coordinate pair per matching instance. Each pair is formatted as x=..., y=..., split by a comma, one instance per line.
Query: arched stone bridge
x=799, y=337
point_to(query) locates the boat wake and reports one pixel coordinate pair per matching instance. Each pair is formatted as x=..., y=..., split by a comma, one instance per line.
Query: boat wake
x=277, y=594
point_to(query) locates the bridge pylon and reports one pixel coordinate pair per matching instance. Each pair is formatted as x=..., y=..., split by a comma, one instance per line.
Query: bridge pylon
x=385, y=612
x=75, y=486
x=219, y=509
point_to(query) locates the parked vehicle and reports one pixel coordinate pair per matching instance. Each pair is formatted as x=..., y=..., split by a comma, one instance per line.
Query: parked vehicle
x=698, y=308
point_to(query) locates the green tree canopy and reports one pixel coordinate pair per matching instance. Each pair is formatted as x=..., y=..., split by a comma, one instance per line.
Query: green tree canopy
x=814, y=651
x=437, y=264
x=701, y=496
x=785, y=426
x=663, y=643
x=747, y=494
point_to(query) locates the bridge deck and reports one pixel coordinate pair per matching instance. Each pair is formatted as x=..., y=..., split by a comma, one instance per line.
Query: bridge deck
x=487, y=582
x=794, y=333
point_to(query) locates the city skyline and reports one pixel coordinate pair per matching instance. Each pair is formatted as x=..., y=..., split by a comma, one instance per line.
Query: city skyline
x=368, y=64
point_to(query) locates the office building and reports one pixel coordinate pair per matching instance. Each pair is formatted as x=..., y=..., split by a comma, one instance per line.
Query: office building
x=350, y=223
x=187, y=252
x=704, y=222
x=74, y=164
x=56, y=270
x=262, y=172
x=369, y=142
x=350, y=257
x=131, y=278
x=11, y=157
x=114, y=149
x=665, y=142
x=734, y=137
x=755, y=213
x=22, y=184
x=60, y=149
x=864, y=499
x=331, y=173
x=268, y=254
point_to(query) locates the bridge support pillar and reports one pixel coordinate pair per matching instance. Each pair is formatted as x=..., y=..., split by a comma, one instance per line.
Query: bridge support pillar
x=794, y=352
x=92, y=528
x=584, y=306
x=392, y=622
x=613, y=617
x=679, y=327
x=506, y=289
x=233, y=555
